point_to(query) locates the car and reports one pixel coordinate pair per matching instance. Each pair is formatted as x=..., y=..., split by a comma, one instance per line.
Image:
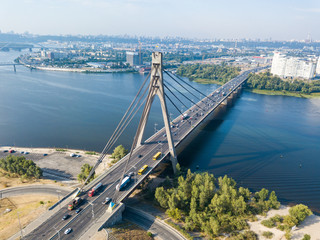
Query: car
x=107, y=200
x=78, y=210
x=65, y=217
x=139, y=156
x=45, y=154
x=12, y=151
x=130, y=174
x=72, y=155
x=164, y=135
x=5, y=151
x=67, y=231
x=22, y=152
x=26, y=152
x=78, y=155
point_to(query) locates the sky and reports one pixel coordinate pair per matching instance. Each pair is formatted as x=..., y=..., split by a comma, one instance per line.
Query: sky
x=202, y=19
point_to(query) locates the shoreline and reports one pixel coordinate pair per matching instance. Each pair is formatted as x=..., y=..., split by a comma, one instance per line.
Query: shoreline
x=79, y=70
x=265, y=91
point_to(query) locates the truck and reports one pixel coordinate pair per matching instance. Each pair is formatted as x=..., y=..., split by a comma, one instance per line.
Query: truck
x=94, y=189
x=74, y=203
x=124, y=183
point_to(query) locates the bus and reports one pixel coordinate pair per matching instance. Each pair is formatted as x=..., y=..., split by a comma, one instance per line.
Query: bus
x=156, y=157
x=143, y=169
x=124, y=183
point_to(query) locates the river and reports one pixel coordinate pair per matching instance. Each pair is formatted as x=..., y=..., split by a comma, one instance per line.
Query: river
x=262, y=141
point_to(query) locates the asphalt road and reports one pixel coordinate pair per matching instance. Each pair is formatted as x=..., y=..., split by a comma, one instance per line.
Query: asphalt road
x=150, y=223
x=34, y=189
x=93, y=207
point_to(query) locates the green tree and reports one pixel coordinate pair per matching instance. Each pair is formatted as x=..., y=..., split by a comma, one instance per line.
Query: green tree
x=306, y=237
x=119, y=152
x=85, y=170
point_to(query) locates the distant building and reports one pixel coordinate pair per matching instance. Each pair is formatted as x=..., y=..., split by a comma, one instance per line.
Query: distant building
x=132, y=58
x=318, y=67
x=285, y=66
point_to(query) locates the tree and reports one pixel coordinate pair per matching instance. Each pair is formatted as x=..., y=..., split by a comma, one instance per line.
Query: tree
x=119, y=152
x=162, y=197
x=85, y=170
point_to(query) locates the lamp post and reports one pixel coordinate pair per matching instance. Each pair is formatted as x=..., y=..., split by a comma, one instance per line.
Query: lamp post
x=20, y=225
x=57, y=232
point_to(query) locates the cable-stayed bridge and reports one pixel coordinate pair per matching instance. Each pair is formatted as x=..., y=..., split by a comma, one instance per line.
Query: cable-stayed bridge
x=172, y=138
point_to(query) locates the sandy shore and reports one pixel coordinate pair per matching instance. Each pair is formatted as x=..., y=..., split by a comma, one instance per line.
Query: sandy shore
x=311, y=226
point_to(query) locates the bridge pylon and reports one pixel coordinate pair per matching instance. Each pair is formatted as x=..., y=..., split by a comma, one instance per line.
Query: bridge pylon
x=156, y=88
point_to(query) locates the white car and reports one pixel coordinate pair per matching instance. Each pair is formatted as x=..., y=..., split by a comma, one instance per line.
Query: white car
x=67, y=231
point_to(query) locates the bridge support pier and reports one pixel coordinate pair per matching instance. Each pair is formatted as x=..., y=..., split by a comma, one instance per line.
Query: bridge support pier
x=14, y=68
x=156, y=88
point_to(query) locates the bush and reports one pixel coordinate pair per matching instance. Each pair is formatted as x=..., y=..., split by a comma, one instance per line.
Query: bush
x=277, y=219
x=41, y=202
x=268, y=223
x=149, y=234
x=268, y=235
x=300, y=212
x=288, y=235
x=306, y=237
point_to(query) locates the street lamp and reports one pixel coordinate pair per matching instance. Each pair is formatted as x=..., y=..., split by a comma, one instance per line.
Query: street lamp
x=20, y=225
x=155, y=127
x=57, y=232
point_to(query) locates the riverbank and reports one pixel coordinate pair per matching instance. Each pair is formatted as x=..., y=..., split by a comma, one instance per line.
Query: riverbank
x=311, y=225
x=79, y=70
x=264, y=91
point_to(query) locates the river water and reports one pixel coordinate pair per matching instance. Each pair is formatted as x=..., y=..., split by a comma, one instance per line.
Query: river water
x=262, y=141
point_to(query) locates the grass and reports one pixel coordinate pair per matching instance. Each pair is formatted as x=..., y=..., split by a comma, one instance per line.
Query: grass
x=27, y=208
x=61, y=150
x=91, y=153
x=129, y=231
x=7, y=180
x=177, y=227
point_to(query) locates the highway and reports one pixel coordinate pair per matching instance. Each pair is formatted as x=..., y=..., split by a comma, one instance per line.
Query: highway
x=92, y=207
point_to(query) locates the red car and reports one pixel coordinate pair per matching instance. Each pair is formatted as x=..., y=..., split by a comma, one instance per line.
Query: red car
x=12, y=151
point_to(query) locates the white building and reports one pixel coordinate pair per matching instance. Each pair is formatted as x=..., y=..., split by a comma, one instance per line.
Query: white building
x=318, y=67
x=294, y=67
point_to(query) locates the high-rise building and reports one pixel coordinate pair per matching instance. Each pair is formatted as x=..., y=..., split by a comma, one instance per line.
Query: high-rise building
x=132, y=58
x=318, y=67
x=294, y=67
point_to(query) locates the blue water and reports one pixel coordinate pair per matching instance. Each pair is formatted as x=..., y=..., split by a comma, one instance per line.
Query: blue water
x=262, y=141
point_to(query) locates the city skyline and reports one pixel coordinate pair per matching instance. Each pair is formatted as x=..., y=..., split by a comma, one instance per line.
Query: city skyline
x=285, y=20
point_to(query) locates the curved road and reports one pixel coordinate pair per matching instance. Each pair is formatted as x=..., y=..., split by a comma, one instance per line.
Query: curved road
x=152, y=224
x=35, y=189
